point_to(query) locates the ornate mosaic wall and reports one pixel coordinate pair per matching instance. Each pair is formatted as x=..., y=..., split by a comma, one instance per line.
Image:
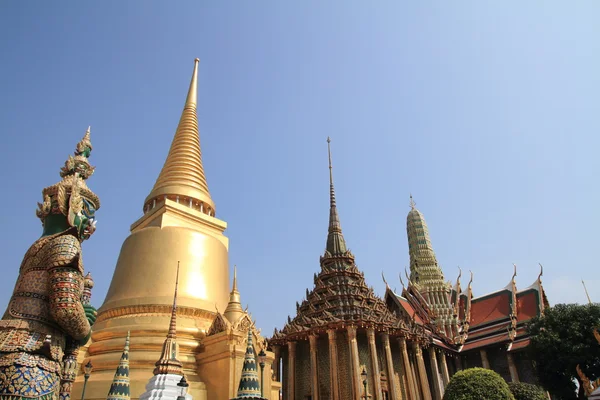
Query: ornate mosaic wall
x=302, y=369
x=364, y=359
x=344, y=366
x=323, y=368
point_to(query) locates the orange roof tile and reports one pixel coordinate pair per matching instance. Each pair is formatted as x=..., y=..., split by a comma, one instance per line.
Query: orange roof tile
x=484, y=342
x=527, y=305
x=490, y=308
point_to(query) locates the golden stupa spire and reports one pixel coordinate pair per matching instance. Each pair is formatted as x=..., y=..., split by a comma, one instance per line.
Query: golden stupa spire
x=168, y=362
x=182, y=176
x=234, y=309
x=336, y=245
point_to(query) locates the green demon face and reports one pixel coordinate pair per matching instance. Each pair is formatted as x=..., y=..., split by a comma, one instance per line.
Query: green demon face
x=85, y=222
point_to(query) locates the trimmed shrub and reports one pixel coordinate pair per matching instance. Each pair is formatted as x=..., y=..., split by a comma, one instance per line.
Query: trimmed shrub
x=527, y=391
x=477, y=384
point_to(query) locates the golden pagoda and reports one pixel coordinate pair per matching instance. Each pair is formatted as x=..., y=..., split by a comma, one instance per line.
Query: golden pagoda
x=178, y=225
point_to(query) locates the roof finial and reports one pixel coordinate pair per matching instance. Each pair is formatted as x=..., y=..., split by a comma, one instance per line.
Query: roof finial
x=384, y=281
x=401, y=281
x=119, y=388
x=515, y=272
x=234, y=310
x=336, y=245
x=470, y=281
x=413, y=205
x=541, y=273
x=586, y=292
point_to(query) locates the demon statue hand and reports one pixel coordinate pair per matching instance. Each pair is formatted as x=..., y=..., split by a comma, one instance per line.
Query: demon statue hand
x=46, y=321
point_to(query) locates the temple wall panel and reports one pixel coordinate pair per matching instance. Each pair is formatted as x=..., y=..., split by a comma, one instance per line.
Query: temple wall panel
x=323, y=368
x=345, y=372
x=302, y=369
x=399, y=374
x=525, y=368
x=364, y=360
x=499, y=362
x=472, y=359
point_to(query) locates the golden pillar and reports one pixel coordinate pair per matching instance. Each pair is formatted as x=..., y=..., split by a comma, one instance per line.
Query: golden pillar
x=445, y=374
x=422, y=371
x=390, y=368
x=333, y=365
x=277, y=362
x=411, y=387
x=437, y=388
x=374, y=363
x=291, y=373
x=514, y=375
x=314, y=379
x=484, y=359
x=354, y=362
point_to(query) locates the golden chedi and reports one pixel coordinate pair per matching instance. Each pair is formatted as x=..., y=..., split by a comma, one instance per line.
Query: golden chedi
x=178, y=225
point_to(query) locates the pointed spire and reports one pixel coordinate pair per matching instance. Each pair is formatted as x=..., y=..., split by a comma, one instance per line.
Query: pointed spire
x=168, y=362
x=119, y=389
x=249, y=384
x=413, y=205
x=336, y=245
x=234, y=310
x=183, y=173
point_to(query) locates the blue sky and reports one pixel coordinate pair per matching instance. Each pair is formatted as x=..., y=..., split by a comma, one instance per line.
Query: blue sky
x=488, y=113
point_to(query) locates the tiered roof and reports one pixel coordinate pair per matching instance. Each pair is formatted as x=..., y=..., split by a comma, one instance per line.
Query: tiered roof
x=340, y=295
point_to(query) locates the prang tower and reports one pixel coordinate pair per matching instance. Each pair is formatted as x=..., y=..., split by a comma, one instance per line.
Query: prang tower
x=178, y=225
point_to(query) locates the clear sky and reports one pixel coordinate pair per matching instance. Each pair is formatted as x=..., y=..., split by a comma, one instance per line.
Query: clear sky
x=487, y=112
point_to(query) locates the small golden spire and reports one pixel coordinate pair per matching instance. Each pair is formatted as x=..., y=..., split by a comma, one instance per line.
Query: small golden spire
x=183, y=173
x=168, y=362
x=413, y=205
x=234, y=310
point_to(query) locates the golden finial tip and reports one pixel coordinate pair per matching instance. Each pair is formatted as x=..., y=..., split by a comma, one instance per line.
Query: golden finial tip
x=328, y=139
x=197, y=60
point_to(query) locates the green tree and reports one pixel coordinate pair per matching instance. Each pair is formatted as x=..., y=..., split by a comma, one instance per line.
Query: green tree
x=562, y=339
x=477, y=384
x=527, y=391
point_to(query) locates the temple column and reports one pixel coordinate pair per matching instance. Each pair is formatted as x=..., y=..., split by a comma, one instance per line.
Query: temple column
x=374, y=364
x=277, y=362
x=412, y=392
x=484, y=359
x=354, y=362
x=514, y=376
x=291, y=372
x=445, y=374
x=422, y=371
x=314, y=380
x=333, y=365
x=437, y=389
x=390, y=367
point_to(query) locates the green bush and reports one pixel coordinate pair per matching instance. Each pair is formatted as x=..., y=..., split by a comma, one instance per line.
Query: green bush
x=477, y=384
x=526, y=391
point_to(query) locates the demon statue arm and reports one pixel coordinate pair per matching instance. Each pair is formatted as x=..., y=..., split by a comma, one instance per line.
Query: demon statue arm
x=65, y=287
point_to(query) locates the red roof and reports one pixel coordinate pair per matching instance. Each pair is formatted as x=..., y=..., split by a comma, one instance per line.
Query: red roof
x=527, y=305
x=490, y=308
x=489, y=330
x=409, y=309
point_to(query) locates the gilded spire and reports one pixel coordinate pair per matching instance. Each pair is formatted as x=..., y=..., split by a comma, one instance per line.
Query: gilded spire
x=336, y=245
x=168, y=362
x=119, y=389
x=183, y=174
x=234, y=309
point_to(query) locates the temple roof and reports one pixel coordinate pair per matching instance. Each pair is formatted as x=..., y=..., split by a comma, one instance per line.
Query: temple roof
x=340, y=294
